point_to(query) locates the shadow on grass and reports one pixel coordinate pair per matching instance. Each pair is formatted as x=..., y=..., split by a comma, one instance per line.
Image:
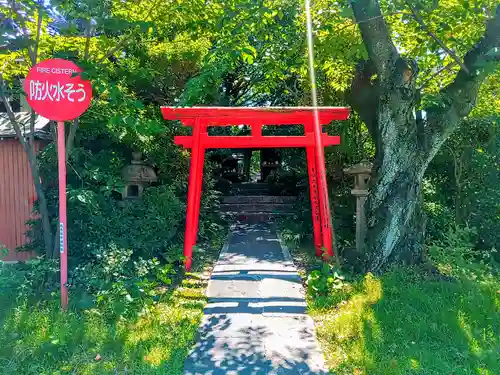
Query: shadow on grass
x=37, y=338
x=410, y=321
x=406, y=323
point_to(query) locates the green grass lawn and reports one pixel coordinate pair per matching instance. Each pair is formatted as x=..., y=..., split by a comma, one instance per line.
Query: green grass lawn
x=409, y=321
x=38, y=338
x=42, y=340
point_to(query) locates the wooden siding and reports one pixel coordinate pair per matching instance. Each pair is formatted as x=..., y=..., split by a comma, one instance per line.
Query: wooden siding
x=17, y=194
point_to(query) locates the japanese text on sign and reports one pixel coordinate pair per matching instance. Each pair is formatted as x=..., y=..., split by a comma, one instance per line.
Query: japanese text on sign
x=40, y=90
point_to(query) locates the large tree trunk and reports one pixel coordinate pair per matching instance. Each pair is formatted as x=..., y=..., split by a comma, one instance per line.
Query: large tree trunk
x=393, y=209
x=384, y=94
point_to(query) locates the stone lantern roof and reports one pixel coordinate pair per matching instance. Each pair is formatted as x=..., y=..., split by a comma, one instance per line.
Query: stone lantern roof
x=361, y=172
x=364, y=167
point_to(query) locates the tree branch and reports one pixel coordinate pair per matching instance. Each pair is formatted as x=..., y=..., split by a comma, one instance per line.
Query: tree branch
x=293, y=91
x=459, y=97
x=72, y=129
x=35, y=173
x=370, y=19
x=34, y=59
x=37, y=37
x=10, y=113
x=435, y=74
x=375, y=34
x=29, y=144
x=23, y=28
x=123, y=41
x=422, y=24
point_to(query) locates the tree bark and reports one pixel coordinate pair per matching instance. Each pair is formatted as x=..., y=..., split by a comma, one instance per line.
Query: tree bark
x=394, y=220
x=383, y=92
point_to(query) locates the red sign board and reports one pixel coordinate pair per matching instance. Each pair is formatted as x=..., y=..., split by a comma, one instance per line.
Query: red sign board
x=55, y=92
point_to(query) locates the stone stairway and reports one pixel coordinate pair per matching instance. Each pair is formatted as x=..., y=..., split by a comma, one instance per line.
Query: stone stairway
x=252, y=199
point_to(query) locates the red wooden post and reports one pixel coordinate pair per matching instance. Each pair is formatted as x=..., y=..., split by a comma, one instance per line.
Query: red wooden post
x=194, y=176
x=324, y=201
x=256, y=131
x=199, y=191
x=313, y=192
x=199, y=187
x=63, y=241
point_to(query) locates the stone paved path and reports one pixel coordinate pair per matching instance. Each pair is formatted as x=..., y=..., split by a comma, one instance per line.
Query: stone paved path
x=255, y=321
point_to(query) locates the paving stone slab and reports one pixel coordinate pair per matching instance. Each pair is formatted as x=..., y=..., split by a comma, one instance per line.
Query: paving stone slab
x=248, y=286
x=228, y=355
x=256, y=267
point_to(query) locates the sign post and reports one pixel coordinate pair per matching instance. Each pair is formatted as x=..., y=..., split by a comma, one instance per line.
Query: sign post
x=63, y=240
x=55, y=90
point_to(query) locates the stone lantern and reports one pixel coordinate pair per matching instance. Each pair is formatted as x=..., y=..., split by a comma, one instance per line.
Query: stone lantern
x=361, y=173
x=136, y=176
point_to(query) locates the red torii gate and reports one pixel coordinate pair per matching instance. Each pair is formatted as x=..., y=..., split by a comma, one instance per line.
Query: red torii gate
x=200, y=118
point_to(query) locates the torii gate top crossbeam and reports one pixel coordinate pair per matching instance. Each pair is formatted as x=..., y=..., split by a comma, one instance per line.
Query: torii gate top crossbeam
x=223, y=116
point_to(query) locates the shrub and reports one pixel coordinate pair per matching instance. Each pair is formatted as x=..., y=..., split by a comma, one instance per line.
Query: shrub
x=462, y=185
x=123, y=252
x=324, y=280
x=455, y=254
x=35, y=278
x=3, y=250
x=147, y=227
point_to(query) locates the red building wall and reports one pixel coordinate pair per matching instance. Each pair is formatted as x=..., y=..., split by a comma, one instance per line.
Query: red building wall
x=17, y=194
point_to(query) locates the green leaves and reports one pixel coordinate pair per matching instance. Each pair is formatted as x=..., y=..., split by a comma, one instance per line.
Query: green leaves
x=248, y=54
x=346, y=12
x=325, y=280
x=4, y=251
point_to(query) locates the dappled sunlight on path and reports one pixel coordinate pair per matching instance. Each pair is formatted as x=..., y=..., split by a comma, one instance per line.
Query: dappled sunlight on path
x=255, y=321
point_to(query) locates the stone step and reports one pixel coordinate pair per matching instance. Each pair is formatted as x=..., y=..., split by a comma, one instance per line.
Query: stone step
x=253, y=217
x=250, y=186
x=256, y=207
x=257, y=199
x=238, y=192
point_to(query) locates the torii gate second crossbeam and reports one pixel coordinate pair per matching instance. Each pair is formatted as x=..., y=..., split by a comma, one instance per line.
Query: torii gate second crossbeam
x=200, y=118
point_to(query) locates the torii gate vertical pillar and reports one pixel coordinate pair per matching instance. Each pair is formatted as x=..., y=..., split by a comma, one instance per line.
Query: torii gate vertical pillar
x=324, y=202
x=194, y=193
x=314, y=196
